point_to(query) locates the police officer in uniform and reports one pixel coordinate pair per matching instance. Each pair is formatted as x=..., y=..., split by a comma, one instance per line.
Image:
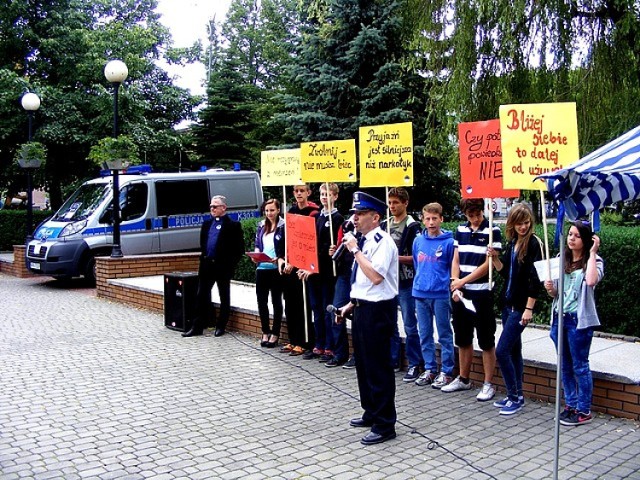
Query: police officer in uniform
x=374, y=293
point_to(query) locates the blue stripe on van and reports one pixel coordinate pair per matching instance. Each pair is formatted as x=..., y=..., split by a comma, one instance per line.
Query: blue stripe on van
x=179, y=221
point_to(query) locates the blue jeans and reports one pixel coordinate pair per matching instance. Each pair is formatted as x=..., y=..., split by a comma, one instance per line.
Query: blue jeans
x=321, y=294
x=410, y=322
x=509, y=352
x=427, y=308
x=576, y=374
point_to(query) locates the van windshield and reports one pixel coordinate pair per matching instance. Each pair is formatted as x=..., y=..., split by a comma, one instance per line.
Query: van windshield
x=83, y=202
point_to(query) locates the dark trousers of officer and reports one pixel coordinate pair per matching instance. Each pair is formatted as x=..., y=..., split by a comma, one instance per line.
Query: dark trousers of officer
x=373, y=328
x=294, y=311
x=208, y=275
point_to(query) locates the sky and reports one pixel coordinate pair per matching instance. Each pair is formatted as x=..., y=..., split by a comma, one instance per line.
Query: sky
x=187, y=21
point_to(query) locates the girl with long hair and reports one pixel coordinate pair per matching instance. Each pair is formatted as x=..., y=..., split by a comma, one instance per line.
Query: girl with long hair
x=583, y=270
x=518, y=297
x=268, y=235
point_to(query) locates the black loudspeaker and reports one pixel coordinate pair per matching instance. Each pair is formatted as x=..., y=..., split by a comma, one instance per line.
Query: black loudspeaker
x=180, y=305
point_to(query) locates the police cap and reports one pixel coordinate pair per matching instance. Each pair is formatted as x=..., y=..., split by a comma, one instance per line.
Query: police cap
x=363, y=201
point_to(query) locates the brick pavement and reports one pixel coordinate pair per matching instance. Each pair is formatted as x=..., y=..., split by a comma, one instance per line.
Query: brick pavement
x=94, y=389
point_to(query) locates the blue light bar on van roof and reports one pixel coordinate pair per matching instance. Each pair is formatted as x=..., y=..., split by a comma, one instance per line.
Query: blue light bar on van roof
x=138, y=169
x=132, y=170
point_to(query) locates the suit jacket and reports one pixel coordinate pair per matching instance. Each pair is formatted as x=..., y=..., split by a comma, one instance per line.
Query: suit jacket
x=230, y=246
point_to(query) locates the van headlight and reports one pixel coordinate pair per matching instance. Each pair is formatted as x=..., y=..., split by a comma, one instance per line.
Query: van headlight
x=73, y=228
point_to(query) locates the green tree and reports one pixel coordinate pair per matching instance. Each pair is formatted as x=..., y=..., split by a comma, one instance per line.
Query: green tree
x=59, y=49
x=352, y=69
x=246, y=56
x=221, y=137
x=491, y=52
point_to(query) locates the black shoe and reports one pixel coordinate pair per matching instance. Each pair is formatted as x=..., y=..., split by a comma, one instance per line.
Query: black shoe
x=334, y=362
x=311, y=354
x=372, y=438
x=351, y=363
x=359, y=422
x=192, y=333
x=219, y=332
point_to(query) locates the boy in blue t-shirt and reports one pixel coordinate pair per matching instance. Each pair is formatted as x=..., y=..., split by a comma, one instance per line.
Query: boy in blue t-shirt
x=432, y=256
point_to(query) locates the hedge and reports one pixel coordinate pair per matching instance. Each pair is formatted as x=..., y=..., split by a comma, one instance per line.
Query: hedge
x=13, y=225
x=616, y=299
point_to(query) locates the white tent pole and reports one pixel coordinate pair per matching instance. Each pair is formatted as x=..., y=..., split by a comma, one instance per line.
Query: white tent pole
x=544, y=229
x=560, y=295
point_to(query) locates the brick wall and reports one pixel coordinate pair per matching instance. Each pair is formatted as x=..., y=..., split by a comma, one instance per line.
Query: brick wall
x=609, y=396
x=139, y=266
x=17, y=268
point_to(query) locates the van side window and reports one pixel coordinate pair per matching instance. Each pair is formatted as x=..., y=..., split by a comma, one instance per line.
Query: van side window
x=241, y=193
x=183, y=197
x=133, y=201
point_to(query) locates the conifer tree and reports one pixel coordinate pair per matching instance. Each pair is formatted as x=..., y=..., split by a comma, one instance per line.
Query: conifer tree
x=352, y=70
x=221, y=137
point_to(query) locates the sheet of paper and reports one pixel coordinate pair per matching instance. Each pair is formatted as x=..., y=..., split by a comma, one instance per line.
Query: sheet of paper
x=468, y=304
x=541, y=268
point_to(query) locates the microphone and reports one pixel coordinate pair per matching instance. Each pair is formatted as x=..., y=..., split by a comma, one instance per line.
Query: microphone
x=336, y=311
x=338, y=253
x=332, y=309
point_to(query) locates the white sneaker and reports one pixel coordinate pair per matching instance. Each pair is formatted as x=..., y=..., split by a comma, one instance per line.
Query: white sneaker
x=441, y=380
x=456, y=385
x=487, y=393
x=426, y=378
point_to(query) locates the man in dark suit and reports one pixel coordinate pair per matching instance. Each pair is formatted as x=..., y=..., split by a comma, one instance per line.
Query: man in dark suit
x=222, y=247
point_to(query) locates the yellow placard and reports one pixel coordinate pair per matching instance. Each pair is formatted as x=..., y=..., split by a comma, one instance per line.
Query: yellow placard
x=328, y=161
x=280, y=167
x=537, y=138
x=386, y=155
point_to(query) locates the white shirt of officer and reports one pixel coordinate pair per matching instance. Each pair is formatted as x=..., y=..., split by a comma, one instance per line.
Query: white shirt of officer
x=382, y=252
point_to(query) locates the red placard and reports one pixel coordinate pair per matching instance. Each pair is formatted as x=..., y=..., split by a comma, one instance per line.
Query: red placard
x=481, y=161
x=302, y=246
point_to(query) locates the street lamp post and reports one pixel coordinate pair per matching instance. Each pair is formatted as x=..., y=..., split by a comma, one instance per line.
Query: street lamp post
x=116, y=72
x=31, y=103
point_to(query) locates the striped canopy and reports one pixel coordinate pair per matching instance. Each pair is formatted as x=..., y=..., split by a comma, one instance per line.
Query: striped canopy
x=608, y=175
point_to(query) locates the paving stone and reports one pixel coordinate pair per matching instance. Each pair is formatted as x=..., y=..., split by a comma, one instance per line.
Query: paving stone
x=94, y=389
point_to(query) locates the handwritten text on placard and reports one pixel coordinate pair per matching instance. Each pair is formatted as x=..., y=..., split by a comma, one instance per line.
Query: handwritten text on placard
x=536, y=139
x=302, y=248
x=280, y=167
x=328, y=161
x=386, y=155
x=481, y=161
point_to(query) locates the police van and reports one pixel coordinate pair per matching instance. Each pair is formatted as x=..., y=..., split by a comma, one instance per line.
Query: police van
x=160, y=212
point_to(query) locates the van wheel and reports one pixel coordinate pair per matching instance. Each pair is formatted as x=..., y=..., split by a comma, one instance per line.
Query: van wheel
x=90, y=270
